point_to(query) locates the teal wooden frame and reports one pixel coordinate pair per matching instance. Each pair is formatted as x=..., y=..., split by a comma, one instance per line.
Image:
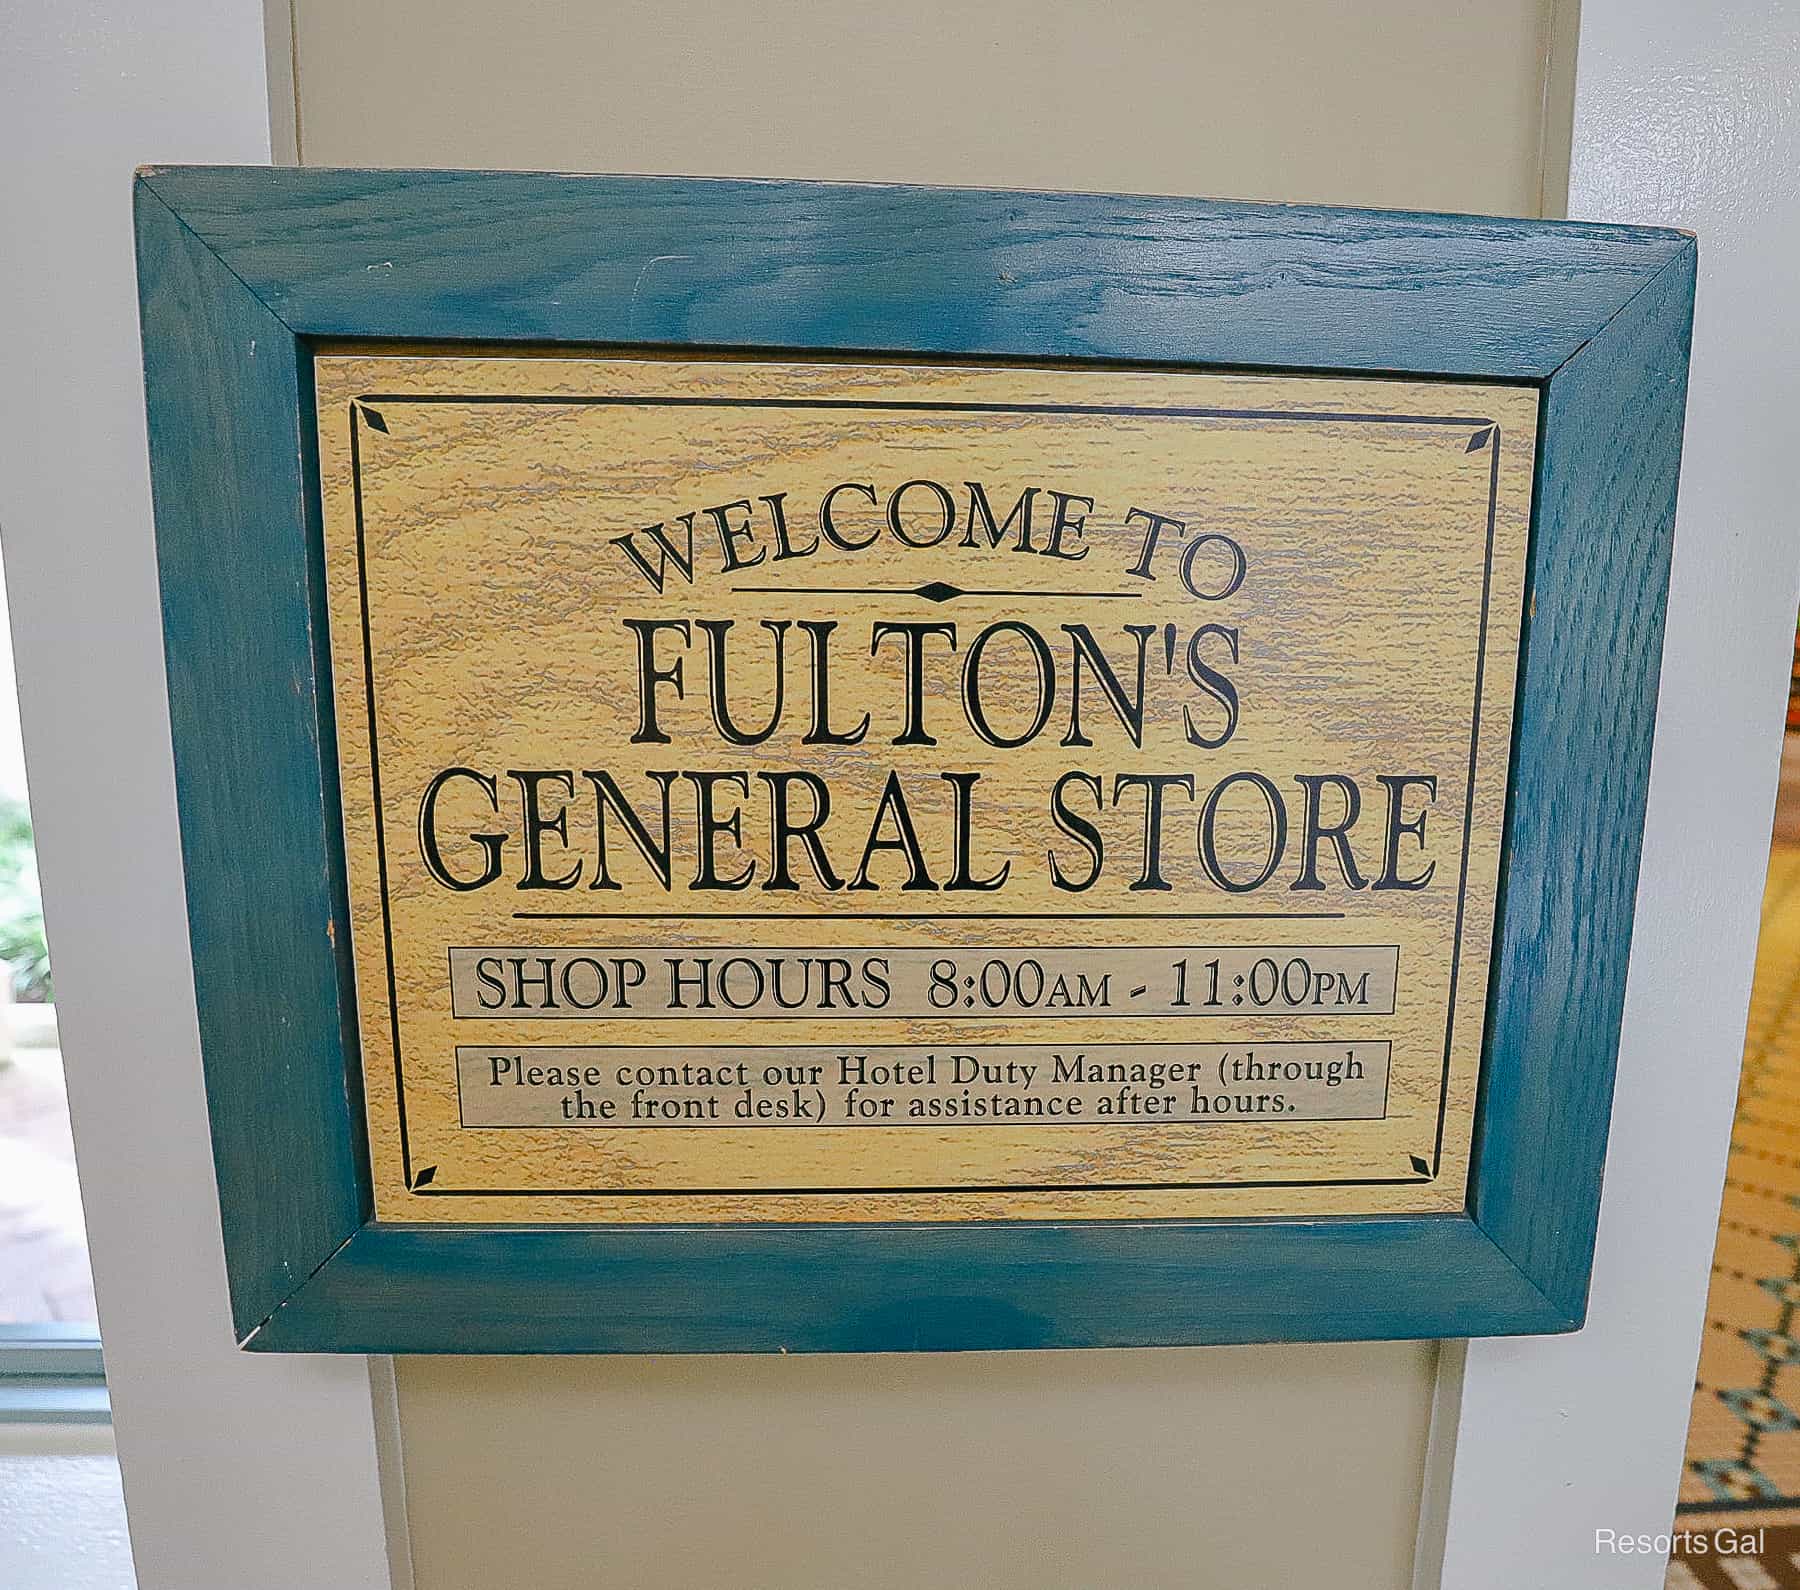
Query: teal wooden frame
x=241, y=270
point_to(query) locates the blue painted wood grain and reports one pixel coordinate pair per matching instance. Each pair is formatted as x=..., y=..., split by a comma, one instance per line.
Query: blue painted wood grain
x=1597, y=579
x=506, y=256
x=255, y=773
x=240, y=268
x=906, y=1288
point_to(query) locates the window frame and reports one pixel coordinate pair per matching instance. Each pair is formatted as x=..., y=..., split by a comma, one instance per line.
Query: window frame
x=52, y=1374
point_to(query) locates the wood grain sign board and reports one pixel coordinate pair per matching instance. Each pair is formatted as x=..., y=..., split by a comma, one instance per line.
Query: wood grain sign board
x=798, y=767
x=783, y=789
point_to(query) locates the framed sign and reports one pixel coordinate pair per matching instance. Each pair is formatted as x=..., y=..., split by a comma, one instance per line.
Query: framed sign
x=784, y=767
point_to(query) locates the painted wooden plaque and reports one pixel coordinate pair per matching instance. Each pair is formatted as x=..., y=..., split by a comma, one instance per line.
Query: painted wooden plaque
x=787, y=790
x=778, y=767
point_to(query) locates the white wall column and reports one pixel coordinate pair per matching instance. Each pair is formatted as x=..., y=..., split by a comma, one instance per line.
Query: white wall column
x=1684, y=115
x=238, y=1470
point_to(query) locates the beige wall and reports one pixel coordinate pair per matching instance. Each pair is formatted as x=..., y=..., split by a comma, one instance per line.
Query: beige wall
x=1240, y=1468
x=1417, y=104
x=1273, y=1468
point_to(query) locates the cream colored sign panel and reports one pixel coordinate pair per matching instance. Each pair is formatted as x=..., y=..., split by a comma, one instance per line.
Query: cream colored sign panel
x=848, y=791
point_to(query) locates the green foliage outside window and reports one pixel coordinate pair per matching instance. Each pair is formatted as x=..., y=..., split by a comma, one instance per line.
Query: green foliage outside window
x=22, y=945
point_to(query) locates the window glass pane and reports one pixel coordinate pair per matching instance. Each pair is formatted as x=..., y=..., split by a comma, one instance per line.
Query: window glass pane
x=44, y=1276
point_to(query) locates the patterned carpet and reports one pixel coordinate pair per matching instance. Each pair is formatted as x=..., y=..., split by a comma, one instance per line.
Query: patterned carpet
x=1742, y=1470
